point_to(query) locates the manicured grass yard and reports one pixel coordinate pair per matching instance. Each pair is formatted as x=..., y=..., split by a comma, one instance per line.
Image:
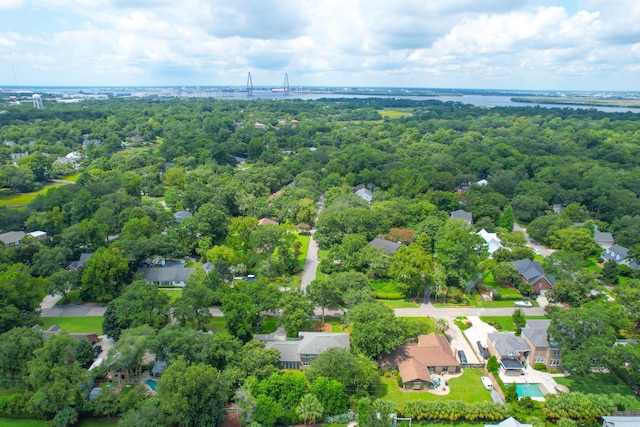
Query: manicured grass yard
x=387, y=289
x=598, y=384
x=12, y=422
x=79, y=324
x=429, y=321
x=72, y=178
x=467, y=388
x=270, y=325
x=174, y=294
x=216, y=324
x=399, y=303
x=23, y=199
x=304, y=240
x=506, y=321
x=394, y=113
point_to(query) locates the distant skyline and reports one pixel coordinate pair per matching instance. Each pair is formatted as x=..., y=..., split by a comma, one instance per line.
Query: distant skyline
x=484, y=44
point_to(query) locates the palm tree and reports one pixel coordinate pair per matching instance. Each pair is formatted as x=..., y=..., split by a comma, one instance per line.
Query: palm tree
x=442, y=325
x=310, y=409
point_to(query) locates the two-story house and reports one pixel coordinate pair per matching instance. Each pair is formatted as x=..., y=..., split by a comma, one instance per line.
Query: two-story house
x=299, y=353
x=543, y=349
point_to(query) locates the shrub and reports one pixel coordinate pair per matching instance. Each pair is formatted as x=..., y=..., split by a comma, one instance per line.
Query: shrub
x=17, y=406
x=493, y=365
x=399, y=381
x=540, y=367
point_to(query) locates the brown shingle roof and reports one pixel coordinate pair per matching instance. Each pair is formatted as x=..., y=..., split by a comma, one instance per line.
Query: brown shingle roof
x=432, y=350
x=412, y=370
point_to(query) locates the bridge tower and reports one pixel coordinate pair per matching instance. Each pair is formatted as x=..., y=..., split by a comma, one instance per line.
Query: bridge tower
x=286, y=84
x=249, y=85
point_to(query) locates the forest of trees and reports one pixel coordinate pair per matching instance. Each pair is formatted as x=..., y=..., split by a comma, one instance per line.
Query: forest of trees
x=150, y=158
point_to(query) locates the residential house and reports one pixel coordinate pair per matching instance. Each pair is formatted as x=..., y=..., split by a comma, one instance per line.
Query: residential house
x=492, y=241
x=89, y=142
x=512, y=352
x=158, y=368
x=509, y=422
x=557, y=208
x=267, y=221
x=80, y=264
x=482, y=182
x=531, y=272
x=620, y=421
x=120, y=370
x=258, y=125
x=182, y=215
x=18, y=156
x=385, y=245
x=543, y=349
x=167, y=275
x=616, y=253
x=12, y=238
x=602, y=239
x=208, y=266
x=365, y=194
x=416, y=363
x=299, y=353
x=467, y=216
x=90, y=337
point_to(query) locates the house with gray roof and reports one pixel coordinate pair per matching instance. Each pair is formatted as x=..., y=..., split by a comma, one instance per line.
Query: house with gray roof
x=365, y=194
x=531, y=272
x=619, y=254
x=168, y=275
x=467, y=216
x=385, y=245
x=512, y=352
x=81, y=263
x=299, y=353
x=602, y=239
x=12, y=238
x=182, y=215
x=543, y=348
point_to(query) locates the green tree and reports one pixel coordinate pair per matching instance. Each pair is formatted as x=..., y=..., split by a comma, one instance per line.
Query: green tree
x=310, y=409
x=254, y=359
x=83, y=353
x=193, y=395
x=142, y=303
x=518, y=320
x=358, y=373
x=577, y=292
x=149, y=413
x=20, y=297
x=54, y=378
x=375, y=330
x=459, y=251
x=411, y=265
x=325, y=294
x=442, y=324
x=331, y=394
x=17, y=347
x=507, y=219
x=267, y=411
x=246, y=403
x=610, y=274
x=242, y=317
x=296, y=310
x=510, y=393
x=104, y=276
x=573, y=239
x=193, y=304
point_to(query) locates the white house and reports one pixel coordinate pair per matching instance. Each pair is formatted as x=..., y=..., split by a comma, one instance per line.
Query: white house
x=492, y=241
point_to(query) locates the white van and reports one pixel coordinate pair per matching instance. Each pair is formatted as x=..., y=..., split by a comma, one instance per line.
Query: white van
x=487, y=383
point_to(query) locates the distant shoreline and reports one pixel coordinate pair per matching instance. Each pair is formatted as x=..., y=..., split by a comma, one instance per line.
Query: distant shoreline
x=621, y=103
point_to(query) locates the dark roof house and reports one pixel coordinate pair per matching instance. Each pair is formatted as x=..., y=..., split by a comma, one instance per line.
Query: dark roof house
x=531, y=272
x=385, y=245
x=81, y=263
x=511, y=351
x=619, y=254
x=182, y=215
x=295, y=354
x=602, y=239
x=467, y=216
x=12, y=238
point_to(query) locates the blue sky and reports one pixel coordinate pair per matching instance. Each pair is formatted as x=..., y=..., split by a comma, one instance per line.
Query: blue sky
x=503, y=44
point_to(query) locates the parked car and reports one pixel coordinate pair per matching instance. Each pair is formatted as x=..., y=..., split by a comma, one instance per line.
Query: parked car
x=523, y=304
x=97, y=350
x=487, y=383
x=484, y=351
x=462, y=356
x=536, y=251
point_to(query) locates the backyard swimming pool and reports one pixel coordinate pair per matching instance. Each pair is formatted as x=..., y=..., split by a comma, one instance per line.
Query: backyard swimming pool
x=531, y=390
x=152, y=384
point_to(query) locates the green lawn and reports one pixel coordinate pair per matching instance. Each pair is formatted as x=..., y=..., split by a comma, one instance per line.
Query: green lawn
x=394, y=113
x=387, y=289
x=174, y=294
x=72, y=178
x=12, y=422
x=399, y=303
x=79, y=324
x=506, y=292
x=216, y=324
x=467, y=388
x=71, y=297
x=270, y=325
x=597, y=384
x=429, y=321
x=591, y=264
x=506, y=321
x=336, y=324
x=23, y=199
x=304, y=240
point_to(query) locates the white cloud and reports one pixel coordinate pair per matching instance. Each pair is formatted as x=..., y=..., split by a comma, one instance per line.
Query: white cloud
x=10, y=4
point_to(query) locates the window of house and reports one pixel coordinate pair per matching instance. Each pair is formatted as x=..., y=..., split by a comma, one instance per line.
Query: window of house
x=556, y=352
x=554, y=362
x=538, y=359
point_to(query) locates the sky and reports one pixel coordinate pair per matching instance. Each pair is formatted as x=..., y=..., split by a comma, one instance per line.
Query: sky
x=485, y=44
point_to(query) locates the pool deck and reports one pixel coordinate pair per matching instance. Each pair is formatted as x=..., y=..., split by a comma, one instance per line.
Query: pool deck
x=544, y=379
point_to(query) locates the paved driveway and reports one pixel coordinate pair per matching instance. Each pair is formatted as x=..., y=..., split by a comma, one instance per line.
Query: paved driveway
x=478, y=332
x=89, y=309
x=459, y=342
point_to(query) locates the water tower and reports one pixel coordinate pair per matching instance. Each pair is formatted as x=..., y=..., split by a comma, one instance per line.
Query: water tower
x=37, y=101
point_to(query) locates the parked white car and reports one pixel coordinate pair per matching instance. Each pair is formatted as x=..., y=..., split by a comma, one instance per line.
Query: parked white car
x=487, y=383
x=523, y=304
